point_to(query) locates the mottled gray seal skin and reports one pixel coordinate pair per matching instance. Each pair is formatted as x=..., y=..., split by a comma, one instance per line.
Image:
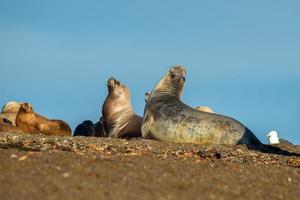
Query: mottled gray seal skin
x=119, y=118
x=167, y=118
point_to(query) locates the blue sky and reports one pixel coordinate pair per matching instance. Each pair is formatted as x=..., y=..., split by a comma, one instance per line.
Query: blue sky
x=242, y=58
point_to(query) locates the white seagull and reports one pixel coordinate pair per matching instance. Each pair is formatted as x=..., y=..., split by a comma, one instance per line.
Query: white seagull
x=274, y=139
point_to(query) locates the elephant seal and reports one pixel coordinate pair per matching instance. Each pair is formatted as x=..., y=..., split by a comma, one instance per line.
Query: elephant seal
x=10, y=110
x=119, y=119
x=86, y=128
x=30, y=122
x=167, y=118
x=205, y=109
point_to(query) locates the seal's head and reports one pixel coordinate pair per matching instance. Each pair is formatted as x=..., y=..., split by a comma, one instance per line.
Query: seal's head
x=88, y=123
x=118, y=98
x=116, y=88
x=11, y=107
x=172, y=83
x=26, y=107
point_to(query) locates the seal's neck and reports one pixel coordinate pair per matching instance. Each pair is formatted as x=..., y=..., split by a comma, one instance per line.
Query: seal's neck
x=165, y=88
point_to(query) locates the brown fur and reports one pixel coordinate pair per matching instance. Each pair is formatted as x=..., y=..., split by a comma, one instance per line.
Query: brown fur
x=33, y=123
x=7, y=126
x=10, y=116
x=119, y=119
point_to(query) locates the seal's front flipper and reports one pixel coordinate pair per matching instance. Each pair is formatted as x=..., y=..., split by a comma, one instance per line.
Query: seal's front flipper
x=146, y=125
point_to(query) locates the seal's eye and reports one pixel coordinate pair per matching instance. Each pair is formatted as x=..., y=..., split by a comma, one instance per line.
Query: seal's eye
x=183, y=78
x=173, y=75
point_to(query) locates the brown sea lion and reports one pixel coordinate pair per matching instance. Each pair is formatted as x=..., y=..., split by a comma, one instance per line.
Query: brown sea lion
x=205, y=109
x=119, y=118
x=30, y=122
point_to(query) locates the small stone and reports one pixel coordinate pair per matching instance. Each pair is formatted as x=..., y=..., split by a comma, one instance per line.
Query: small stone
x=23, y=158
x=66, y=175
x=13, y=156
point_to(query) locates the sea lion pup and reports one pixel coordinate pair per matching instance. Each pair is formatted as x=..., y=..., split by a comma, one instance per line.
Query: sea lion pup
x=86, y=128
x=7, y=126
x=167, y=118
x=119, y=119
x=30, y=122
x=205, y=109
x=10, y=110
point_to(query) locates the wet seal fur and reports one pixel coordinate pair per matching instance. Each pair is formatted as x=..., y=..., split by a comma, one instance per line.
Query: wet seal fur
x=119, y=118
x=167, y=118
x=30, y=122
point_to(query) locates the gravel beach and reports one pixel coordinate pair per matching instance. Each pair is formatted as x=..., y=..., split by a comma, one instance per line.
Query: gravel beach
x=49, y=167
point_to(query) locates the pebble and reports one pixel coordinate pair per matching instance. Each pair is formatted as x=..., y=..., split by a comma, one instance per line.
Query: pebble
x=66, y=175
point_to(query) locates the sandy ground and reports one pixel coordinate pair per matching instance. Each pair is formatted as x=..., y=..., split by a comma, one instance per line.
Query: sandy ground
x=47, y=167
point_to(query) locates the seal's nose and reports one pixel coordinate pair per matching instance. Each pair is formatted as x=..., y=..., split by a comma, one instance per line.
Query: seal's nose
x=178, y=69
x=111, y=81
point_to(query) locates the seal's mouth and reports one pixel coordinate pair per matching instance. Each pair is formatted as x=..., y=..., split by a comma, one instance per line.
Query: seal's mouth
x=112, y=84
